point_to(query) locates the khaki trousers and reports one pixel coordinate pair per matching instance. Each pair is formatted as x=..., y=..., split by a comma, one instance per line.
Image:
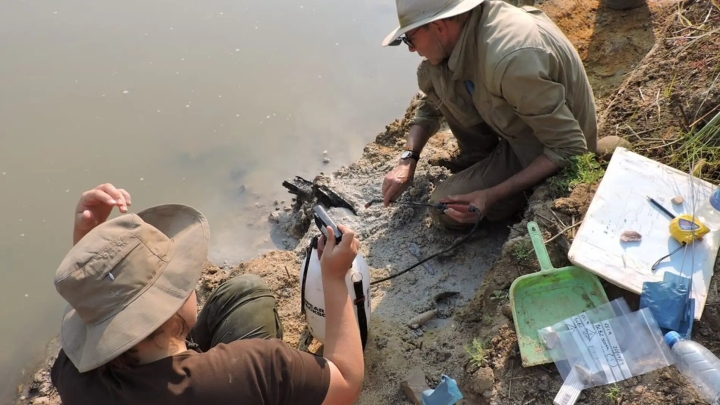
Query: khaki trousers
x=485, y=160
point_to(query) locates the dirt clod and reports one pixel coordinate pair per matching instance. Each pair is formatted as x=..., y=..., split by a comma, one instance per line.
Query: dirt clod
x=483, y=380
x=414, y=384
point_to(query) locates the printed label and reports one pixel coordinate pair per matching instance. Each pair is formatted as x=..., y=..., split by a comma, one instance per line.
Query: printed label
x=617, y=353
x=594, y=348
x=315, y=310
x=581, y=338
x=570, y=390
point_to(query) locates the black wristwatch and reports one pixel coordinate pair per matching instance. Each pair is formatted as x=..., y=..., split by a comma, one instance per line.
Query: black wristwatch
x=408, y=154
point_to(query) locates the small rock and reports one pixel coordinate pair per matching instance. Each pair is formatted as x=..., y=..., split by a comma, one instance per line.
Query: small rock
x=324, y=152
x=414, y=384
x=326, y=160
x=382, y=342
x=507, y=311
x=287, y=208
x=483, y=380
x=276, y=202
x=41, y=401
x=607, y=145
x=544, y=383
x=274, y=217
x=639, y=389
x=630, y=236
x=677, y=200
x=259, y=205
x=277, y=208
x=487, y=394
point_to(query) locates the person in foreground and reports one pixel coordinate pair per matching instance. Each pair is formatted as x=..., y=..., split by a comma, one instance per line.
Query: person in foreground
x=513, y=91
x=132, y=318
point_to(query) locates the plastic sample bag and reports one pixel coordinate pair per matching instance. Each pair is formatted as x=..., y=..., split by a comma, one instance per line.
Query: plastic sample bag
x=551, y=334
x=591, y=353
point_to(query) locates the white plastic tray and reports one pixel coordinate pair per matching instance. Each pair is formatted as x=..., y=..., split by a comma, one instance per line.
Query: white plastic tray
x=620, y=204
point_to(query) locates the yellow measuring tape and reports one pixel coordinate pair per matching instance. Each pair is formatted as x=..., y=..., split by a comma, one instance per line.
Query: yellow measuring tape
x=684, y=228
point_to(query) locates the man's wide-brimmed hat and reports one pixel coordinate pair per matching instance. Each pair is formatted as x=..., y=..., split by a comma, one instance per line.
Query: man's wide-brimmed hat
x=416, y=13
x=127, y=277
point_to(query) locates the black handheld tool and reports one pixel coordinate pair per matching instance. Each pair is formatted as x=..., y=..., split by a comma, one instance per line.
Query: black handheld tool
x=462, y=207
x=323, y=220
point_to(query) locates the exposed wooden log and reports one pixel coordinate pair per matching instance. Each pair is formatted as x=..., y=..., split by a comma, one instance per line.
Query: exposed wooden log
x=313, y=191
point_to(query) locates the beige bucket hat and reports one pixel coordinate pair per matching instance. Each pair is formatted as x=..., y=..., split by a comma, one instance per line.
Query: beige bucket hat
x=416, y=13
x=126, y=278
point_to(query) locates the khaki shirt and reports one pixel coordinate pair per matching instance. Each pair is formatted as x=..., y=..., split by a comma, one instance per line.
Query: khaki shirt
x=513, y=69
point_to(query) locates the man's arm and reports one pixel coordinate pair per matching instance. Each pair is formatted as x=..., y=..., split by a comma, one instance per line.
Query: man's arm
x=401, y=177
x=426, y=121
x=540, y=169
x=526, y=82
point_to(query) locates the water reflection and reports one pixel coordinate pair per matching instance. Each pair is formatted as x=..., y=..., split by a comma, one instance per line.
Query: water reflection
x=208, y=103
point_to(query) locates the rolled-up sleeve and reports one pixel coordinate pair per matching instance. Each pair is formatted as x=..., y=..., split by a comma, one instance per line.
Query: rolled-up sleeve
x=525, y=78
x=427, y=113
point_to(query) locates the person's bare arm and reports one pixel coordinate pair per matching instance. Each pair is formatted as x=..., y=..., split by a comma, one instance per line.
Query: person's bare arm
x=540, y=169
x=418, y=137
x=343, y=347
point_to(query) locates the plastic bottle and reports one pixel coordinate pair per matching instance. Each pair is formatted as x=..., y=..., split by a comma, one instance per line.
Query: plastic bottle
x=315, y=296
x=709, y=211
x=698, y=364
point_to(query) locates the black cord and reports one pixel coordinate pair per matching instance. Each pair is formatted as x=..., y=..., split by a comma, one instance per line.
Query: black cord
x=657, y=263
x=453, y=246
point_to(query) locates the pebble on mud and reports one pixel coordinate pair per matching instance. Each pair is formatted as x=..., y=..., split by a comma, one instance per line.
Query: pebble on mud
x=607, y=145
x=544, y=383
x=274, y=217
x=507, y=311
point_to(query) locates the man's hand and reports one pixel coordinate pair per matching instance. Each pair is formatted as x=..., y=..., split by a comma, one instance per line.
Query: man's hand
x=397, y=181
x=336, y=260
x=482, y=200
x=95, y=206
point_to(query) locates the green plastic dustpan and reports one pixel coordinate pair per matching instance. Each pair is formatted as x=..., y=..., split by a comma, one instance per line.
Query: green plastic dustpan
x=549, y=296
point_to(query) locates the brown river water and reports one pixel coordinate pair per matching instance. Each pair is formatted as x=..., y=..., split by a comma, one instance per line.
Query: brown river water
x=210, y=104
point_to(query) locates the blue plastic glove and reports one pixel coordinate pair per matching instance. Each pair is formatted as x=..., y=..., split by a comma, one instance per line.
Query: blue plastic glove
x=446, y=393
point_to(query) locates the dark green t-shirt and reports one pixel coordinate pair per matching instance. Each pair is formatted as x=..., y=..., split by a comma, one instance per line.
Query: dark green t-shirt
x=254, y=371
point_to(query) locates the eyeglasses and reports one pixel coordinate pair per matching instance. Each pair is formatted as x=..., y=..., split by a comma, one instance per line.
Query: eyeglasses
x=406, y=39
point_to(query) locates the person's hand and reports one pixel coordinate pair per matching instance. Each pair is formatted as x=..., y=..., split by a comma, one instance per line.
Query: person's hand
x=95, y=206
x=336, y=260
x=397, y=181
x=482, y=200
